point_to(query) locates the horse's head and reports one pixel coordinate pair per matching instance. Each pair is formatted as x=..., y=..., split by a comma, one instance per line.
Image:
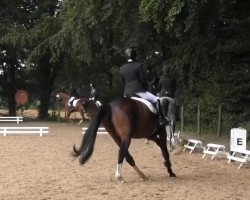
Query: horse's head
x=62, y=97
x=58, y=96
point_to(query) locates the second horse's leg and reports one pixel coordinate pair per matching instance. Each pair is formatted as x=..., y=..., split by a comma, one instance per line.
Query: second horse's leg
x=67, y=117
x=81, y=121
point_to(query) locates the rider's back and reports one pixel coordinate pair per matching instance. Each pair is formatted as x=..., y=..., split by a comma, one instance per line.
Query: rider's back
x=133, y=78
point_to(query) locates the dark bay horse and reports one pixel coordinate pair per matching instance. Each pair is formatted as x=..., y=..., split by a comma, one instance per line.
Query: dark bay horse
x=125, y=119
x=78, y=107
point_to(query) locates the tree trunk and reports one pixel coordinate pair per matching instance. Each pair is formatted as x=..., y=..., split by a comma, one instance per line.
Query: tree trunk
x=47, y=75
x=44, y=106
x=11, y=100
x=11, y=91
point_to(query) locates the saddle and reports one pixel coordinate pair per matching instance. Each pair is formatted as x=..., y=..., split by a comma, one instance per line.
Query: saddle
x=150, y=106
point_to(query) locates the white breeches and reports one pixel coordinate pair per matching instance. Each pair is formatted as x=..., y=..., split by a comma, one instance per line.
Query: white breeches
x=148, y=96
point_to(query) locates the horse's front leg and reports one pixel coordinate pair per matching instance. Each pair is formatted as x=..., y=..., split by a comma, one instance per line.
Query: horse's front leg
x=68, y=118
x=161, y=141
x=131, y=161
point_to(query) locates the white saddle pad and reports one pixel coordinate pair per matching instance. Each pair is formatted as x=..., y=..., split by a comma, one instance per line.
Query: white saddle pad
x=74, y=102
x=147, y=103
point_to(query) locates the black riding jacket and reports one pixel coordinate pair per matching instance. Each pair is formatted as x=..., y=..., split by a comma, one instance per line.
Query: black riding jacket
x=167, y=86
x=133, y=78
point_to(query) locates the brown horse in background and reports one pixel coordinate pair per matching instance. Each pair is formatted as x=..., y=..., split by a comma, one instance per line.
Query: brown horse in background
x=125, y=119
x=77, y=108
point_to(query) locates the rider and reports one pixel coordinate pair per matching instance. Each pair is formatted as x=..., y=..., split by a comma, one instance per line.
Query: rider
x=94, y=94
x=133, y=78
x=73, y=96
x=167, y=86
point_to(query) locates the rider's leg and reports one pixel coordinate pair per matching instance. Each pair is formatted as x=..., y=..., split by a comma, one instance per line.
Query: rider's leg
x=156, y=102
x=71, y=102
x=162, y=118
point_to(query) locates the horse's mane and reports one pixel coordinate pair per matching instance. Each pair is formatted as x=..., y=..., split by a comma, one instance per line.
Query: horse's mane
x=64, y=93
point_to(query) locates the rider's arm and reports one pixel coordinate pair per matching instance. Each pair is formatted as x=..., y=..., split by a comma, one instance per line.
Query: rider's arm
x=143, y=78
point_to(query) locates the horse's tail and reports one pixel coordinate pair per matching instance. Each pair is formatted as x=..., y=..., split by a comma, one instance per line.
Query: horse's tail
x=88, y=141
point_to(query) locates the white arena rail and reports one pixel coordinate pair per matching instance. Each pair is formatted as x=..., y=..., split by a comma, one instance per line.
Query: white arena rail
x=193, y=144
x=24, y=130
x=11, y=119
x=241, y=156
x=101, y=130
x=215, y=150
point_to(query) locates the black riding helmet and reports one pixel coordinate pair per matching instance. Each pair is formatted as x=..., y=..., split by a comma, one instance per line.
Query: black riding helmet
x=130, y=54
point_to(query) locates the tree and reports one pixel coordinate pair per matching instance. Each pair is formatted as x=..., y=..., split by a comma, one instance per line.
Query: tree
x=12, y=51
x=210, y=51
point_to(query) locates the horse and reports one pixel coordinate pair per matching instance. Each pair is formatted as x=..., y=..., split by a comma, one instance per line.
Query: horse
x=124, y=119
x=169, y=107
x=78, y=107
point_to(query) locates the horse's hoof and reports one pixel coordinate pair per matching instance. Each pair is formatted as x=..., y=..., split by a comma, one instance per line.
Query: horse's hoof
x=172, y=175
x=144, y=178
x=120, y=180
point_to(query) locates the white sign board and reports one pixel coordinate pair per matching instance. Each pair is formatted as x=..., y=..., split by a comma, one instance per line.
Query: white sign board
x=238, y=139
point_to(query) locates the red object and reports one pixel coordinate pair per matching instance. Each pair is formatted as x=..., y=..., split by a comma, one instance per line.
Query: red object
x=21, y=97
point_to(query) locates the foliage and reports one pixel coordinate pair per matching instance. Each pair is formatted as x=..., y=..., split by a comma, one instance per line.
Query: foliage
x=74, y=41
x=210, y=54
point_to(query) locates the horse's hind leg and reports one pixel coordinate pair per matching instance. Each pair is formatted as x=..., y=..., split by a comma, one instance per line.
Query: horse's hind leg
x=170, y=136
x=121, y=155
x=131, y=161
x=160, y=140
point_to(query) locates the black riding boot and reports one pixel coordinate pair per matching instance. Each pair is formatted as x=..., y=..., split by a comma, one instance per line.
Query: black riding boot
x=161, y=118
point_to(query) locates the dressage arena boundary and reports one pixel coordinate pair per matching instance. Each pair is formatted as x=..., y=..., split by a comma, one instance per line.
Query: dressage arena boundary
x=101, y=130
x=215, y=150
x=11, y=119
x=24, y=130
x=193, y=144
x=241, y=156
x=238, y=151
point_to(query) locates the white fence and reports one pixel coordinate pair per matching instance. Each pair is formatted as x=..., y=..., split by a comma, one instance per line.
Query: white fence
x=11, y=119
x=24, y=130
x=101, y=130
